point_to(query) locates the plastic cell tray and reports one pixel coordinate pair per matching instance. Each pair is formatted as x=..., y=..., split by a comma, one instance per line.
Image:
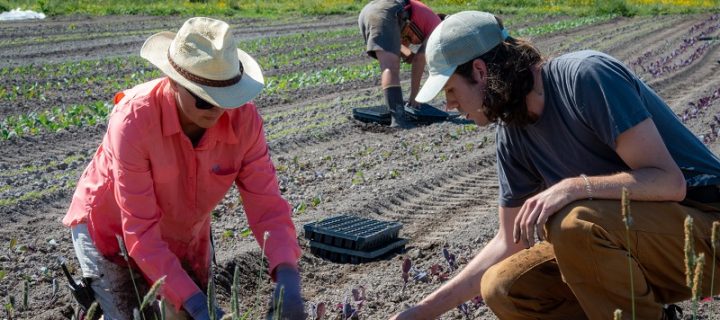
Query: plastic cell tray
x=379, y=114
x=426, y=113
x=353, y=233
x=341, y=255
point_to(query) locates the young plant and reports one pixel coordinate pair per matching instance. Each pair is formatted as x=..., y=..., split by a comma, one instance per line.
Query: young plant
x=407, y=264
x=266, y=235
x=235, y=299
x=627, y=219
x=317, y=311
x=464, y=310
x=358, y=294
x=450, y=258
x=26, y=291
x=126, y=256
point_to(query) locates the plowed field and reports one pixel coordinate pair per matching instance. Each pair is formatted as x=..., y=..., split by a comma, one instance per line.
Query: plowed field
x=438, y=180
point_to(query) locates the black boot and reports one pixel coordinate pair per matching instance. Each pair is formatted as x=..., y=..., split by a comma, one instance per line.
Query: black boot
x=394, y=101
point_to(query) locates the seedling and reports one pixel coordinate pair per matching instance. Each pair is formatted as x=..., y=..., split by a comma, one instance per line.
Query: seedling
x=438, y=272
x=407, y=264
x=235, y=295
x=450, y=258
x=317, y=311
x=124, y=253
x=315, y=201
x=464, y=310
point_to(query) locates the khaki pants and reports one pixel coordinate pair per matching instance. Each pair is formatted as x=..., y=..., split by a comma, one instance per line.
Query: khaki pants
x=582, y=271
x=111, y=283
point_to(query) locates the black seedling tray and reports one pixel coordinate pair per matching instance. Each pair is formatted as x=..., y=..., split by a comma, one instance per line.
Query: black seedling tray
x=353, y=233
x=341, y=255
x=426, y=113
x=379, y=114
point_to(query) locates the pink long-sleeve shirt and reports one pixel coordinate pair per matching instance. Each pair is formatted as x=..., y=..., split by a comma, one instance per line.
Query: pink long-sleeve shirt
x=149, y=184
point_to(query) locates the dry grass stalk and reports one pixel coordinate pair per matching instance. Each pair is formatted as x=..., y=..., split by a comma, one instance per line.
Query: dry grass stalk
x=689, y=252
x=627, y=219
x=617, y=315
x=697, y=277
x=152, y=293
x=92, y=310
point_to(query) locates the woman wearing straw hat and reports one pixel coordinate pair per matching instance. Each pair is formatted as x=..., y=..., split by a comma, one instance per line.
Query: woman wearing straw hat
x=173, y=148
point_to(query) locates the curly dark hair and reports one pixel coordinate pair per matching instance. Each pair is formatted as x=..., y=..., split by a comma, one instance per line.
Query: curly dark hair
x=509, y=80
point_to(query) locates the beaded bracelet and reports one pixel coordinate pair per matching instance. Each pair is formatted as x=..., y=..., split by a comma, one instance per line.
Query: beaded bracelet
x=588, y=188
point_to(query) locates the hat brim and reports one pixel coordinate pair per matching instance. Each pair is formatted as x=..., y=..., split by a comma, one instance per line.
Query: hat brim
x=155, y=50
x=435, y=82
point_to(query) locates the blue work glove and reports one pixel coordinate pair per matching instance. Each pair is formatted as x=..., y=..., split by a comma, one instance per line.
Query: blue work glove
x=197, y=307
x=287, y=295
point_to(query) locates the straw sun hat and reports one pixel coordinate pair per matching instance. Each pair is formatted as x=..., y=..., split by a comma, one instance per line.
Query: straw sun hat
x=203, y=57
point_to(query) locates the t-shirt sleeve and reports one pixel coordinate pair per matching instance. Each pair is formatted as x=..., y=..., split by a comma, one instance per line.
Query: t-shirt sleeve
x=517, y=177
x=608, y=98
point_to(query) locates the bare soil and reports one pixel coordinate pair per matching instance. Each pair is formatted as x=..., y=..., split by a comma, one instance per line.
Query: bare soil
x=438, y=180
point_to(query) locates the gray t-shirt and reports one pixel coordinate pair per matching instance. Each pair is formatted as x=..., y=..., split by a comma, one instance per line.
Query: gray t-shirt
x=590, y=99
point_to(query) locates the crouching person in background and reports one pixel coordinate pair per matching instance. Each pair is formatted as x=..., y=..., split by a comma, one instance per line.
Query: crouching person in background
x=571, y=133
x=172, y=150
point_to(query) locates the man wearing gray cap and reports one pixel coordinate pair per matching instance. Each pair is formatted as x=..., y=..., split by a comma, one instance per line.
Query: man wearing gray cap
x=571, y=133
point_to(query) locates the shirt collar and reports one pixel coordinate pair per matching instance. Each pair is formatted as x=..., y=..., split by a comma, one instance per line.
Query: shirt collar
x=222, y=131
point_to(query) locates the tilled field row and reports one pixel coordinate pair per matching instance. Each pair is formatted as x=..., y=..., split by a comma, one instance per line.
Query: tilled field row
x=438, y=180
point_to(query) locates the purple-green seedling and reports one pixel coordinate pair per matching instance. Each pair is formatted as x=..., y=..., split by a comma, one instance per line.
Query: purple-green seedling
x=438, y=272
x=407, y=264
x=358, y=294
x=464, y=310
x=348, y=312
x=450, y=258
x=317, y=311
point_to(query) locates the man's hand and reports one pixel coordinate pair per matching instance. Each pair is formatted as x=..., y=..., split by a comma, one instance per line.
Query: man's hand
x=287, y=300
x=536, y=211
x=409, y=314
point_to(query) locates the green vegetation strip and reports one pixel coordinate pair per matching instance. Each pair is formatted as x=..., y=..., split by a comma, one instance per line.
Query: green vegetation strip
x=561, y=26
x=83, y=115
x=284, y=8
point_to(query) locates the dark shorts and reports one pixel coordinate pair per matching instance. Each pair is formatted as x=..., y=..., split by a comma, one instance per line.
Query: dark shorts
x=380, y=26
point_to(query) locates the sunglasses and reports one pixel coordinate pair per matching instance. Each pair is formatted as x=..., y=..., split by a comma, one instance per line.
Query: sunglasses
x=200, y=103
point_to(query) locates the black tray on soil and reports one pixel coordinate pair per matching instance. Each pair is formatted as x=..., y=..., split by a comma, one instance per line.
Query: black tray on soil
x=379, y=114
x=353, y=233
x=341, y=255
x=424, y=114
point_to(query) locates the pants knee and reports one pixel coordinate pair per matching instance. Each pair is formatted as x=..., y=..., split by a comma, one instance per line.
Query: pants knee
x=494, y=288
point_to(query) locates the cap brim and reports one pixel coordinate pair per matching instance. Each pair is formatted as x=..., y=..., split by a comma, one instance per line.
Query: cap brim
x=155, y=50
x=435, y=82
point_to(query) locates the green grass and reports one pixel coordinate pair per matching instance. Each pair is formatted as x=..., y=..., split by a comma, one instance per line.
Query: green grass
x=282, y=8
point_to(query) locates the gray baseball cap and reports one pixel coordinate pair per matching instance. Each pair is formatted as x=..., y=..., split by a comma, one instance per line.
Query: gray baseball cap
x=460, y=38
